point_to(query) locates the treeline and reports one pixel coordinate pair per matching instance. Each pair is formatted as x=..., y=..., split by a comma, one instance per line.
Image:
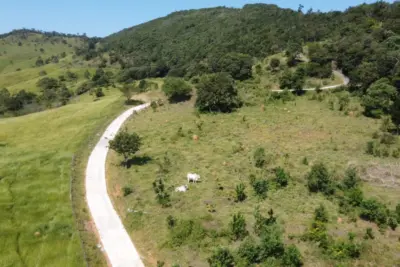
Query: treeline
x=363, y=41
x=25, y=32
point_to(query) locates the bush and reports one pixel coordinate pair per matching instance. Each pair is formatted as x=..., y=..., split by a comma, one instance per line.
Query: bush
x=127, y=191
x=176, y=89
x=221, y=257
x=271, y=244
x=99, y=92
x=282, y=178
x=292, y=257
x=260, y=188
x=320, y=214
x=240, y=193
x=374, y=211
x=249, y=251
x=185, y=232
x=274, y=63
x=84, y=87
x=238, y=227
x=351, y=179
x=261, y=222
x=319, y=180
x=171, y=221
x=259, y=157
x=305, y=161
x=388, y=139
x=162, y=196
x=343, y=250
x=354, y=197
x=369, y=234
x=216, y=93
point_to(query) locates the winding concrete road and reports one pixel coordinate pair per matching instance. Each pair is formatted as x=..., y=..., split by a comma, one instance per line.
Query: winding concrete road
x=115, y=240
x=345, y=80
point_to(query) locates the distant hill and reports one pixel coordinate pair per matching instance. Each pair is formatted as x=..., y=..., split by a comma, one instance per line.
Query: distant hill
x=191, y=42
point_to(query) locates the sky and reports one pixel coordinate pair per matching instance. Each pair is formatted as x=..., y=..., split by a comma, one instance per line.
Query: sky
x=104, y=17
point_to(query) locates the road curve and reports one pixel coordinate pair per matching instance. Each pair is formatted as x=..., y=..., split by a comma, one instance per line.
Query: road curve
x=114, y=238
x=345, y=79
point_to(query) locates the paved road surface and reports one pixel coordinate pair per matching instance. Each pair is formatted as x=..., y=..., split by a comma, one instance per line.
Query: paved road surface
x=345, y=79
x=114, y=238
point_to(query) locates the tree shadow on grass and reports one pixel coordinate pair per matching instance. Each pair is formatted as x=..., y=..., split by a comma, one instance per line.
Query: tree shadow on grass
x=138, y=161
x=178, y=99
x=133, y=102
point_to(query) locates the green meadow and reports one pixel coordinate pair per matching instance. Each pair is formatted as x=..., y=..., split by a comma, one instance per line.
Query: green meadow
x=37, y=223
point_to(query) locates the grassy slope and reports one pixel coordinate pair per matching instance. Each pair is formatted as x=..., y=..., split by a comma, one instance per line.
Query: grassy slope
x=270, y=79
x=24, y=58
x=35, y=171
x=298, y=129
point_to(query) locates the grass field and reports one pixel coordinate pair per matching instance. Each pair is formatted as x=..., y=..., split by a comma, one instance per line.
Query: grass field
x=37, y=223
x=17, y=62
x=223, y=157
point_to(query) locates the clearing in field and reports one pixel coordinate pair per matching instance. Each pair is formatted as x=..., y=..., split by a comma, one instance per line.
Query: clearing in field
x=220, y=147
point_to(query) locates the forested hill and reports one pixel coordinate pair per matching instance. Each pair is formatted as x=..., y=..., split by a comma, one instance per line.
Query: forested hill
x=363, y=40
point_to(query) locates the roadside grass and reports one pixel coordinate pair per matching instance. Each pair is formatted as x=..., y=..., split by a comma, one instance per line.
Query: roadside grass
x=37, y=223
x=223, y=156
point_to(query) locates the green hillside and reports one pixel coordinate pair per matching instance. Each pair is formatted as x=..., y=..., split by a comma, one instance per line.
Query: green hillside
x=38, y=227
x=363, y=40
x=20, y=50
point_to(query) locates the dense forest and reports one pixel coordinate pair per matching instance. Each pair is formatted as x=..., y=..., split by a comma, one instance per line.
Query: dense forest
x=364, y=41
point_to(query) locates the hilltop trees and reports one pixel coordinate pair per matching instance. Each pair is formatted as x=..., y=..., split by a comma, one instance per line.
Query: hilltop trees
x=216, y=93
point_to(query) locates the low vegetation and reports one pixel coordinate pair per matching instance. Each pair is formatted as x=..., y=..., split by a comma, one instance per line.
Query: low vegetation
x=303, y=189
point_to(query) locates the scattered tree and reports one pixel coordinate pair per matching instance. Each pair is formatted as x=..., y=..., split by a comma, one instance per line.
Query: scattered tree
x=126, y=144
x=176, y=89
x=216, y=93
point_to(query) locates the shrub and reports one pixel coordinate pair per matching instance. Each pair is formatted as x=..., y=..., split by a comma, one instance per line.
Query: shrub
x=282, y=178
x=216, y=93
x=354, y=197
x=343, y=250
x=292, y=257
x=374, y=211
x=369, y=234
x=392, y=222
x=318, y=233
x=388, y=139
x=176, y=89
x=126, y=144
x=162, y=196
x=305, y=161
x=171, y=221
x=261, y=222
x=351, y=179
x=42, y=73
x=127, y=191
x=319, y=180
x=99, y=92
x=261, y=188
x=320, y=214
x=271, y=244
x=84, y=87
x=249, y=251
x=238, y=227
x=274, y=63
x=221, y=257
x=259, y=157
x=240, y=193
